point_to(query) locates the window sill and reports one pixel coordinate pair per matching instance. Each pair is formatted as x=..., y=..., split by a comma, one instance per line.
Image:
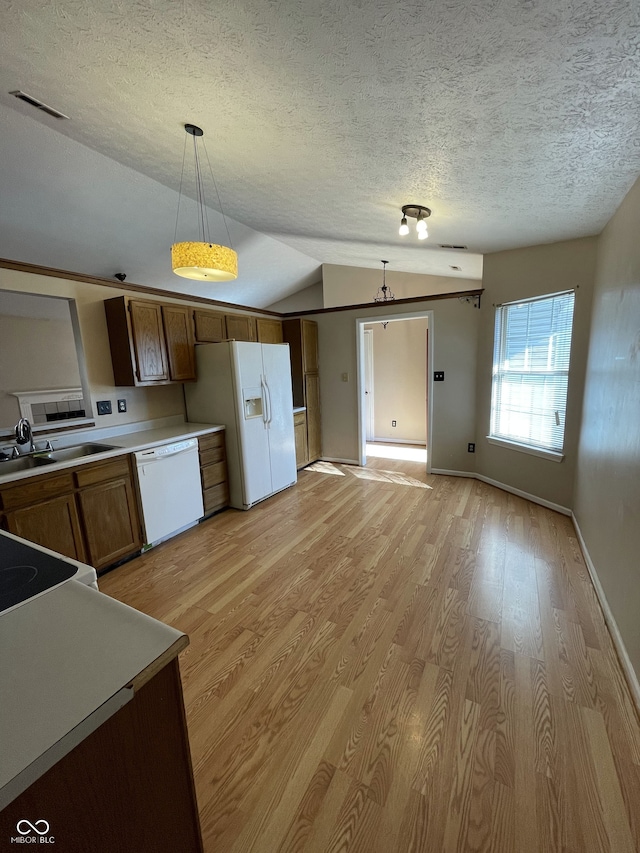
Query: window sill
x=553, y=455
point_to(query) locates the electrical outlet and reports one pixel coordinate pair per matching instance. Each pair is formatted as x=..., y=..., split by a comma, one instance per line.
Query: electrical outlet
x=471, y=447
x=393, y=423
x=345, y=377
x=104, y=407
x=438, y=376
x=122, y=405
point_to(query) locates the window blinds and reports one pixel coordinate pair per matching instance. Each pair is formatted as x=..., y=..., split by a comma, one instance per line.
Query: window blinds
x=531, y=352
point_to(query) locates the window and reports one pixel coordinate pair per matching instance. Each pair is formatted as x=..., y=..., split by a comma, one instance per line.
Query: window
x=530, y=372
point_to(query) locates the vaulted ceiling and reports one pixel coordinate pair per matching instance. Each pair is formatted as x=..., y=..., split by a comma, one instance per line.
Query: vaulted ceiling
x=515, y=121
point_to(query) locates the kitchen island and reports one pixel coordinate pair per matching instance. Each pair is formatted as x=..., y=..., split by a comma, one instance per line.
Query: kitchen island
x=92, y=729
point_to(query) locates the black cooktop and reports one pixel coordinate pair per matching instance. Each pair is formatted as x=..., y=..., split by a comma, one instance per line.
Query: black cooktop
x=27, y=571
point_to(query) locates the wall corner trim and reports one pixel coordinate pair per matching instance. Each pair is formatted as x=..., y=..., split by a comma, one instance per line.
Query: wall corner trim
x=618, y=643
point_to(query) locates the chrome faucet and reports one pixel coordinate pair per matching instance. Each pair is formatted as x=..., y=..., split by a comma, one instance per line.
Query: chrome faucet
x=24, y=436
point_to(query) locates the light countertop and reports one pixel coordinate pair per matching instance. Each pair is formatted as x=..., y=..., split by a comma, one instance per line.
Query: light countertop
x=69, y=660
x=128, y=442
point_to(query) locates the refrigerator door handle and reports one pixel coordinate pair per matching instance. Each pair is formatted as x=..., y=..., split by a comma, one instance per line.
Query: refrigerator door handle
x=266, y=385
x=266, y=415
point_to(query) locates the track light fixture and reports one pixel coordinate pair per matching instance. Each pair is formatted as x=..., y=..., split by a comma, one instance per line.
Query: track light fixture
x=418, y=212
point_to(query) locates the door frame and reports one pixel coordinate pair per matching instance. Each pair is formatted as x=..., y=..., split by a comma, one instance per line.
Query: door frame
x=361, y=322
x=369, y=412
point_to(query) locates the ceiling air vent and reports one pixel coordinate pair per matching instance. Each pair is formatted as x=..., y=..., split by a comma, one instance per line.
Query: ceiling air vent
x=29, y=99
x=450, y=246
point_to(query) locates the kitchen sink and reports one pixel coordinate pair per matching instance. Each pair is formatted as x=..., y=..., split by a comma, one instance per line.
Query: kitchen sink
x=43, y=458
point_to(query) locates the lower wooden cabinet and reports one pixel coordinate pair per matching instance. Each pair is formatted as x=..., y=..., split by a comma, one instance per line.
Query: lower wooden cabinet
x=300, y=432
x=53, y=524
x=312, y=402
x=88, y=513
x=128, y=786
x=109, y=512
x=213, y=471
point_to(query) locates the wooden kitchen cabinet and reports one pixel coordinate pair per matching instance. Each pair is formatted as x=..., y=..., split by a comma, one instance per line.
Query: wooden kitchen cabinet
x=128, y=786
x=88, y=513
x=300, y=432
x=151, y=343
x=210, y=326
x=302, y=337
x=213, y=471
x=241, y=327
x=109, y=511
x=179, y=337
x=269, y=331
x=53, y=524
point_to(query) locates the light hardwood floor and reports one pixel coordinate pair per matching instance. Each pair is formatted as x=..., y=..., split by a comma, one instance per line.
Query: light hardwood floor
x=386, y=662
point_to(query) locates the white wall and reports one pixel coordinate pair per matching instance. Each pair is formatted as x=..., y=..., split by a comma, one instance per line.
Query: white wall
x=607, y=489
x=519, y=274
x=400, y=380
x=344, y=285
x=454, y=333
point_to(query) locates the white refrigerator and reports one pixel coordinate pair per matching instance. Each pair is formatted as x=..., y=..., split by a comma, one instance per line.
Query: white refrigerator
x=247, y=387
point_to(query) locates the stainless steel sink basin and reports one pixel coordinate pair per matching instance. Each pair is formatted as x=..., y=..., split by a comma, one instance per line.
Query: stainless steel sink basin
x=43, y=458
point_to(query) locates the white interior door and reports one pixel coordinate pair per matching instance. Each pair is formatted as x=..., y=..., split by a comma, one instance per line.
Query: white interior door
x=368, y=384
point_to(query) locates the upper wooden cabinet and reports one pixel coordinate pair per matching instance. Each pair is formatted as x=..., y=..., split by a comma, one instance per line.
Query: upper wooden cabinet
x=178, y=333
x=269, y=331
x=210, y=326
x=309, y=346
x=241, y=327
x=151, y=343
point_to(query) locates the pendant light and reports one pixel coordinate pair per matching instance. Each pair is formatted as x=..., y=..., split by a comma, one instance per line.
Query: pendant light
x=202, y=260
x=384, y=294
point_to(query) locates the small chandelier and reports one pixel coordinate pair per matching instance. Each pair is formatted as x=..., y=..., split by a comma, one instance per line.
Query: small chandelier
x=384, y=294
x=202, y=260
x=420, y=214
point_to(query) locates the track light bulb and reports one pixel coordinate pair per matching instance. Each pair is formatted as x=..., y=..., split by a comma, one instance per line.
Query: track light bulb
x=423, y=234
x=404, y=228
x=421, y=224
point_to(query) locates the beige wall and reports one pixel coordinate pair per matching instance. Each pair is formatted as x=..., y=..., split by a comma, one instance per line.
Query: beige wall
x=35, y=353
x=355, y=285
x=607, y=491
x=519, y=274
x=400, y=380
x=454, y=336
x=142, y=403
x=307, y=299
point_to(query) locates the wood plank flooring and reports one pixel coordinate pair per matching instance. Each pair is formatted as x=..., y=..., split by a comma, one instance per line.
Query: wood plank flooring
x=383, y=661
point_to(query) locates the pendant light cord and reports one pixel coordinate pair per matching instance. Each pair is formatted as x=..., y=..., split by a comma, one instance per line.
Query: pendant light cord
x=184, y=154
x=215, y=186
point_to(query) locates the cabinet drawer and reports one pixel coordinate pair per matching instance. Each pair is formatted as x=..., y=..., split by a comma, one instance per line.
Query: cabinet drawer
x=92, y=474
x=300, y=419
x=216, y=497
x=215, y=454
x=214, y=474
x=36, y=489
x=213, y=439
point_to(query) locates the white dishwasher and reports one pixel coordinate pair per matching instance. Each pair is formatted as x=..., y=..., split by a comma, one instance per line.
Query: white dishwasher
x=170, y=490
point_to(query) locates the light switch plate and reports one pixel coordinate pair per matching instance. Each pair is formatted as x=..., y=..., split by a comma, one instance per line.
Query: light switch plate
x=122, y=405
x=104, y=407
x=438, y=376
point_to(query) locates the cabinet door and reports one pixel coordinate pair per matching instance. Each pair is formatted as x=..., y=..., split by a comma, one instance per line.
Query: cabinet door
x=210, y=327
x=240, y=327
x=309, y=346
x=312, y=395
x=53, y=524
x=148, y=341
x=110, y=517
x=178, y=331
x=269, y=331
x=300, y=432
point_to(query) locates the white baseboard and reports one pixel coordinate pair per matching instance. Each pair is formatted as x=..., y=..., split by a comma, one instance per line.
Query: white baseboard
x=533, y=498
x=340, y=461
x=629, y=671
x=447, y=473
x=379, y=440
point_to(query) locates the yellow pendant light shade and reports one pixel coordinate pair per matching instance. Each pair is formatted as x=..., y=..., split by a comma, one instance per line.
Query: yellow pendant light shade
x=204, y=261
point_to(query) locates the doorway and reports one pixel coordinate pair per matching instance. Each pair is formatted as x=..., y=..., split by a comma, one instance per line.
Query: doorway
x=391, y=371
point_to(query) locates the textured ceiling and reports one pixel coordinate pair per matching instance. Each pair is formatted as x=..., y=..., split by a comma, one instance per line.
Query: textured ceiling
x=515, y=121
